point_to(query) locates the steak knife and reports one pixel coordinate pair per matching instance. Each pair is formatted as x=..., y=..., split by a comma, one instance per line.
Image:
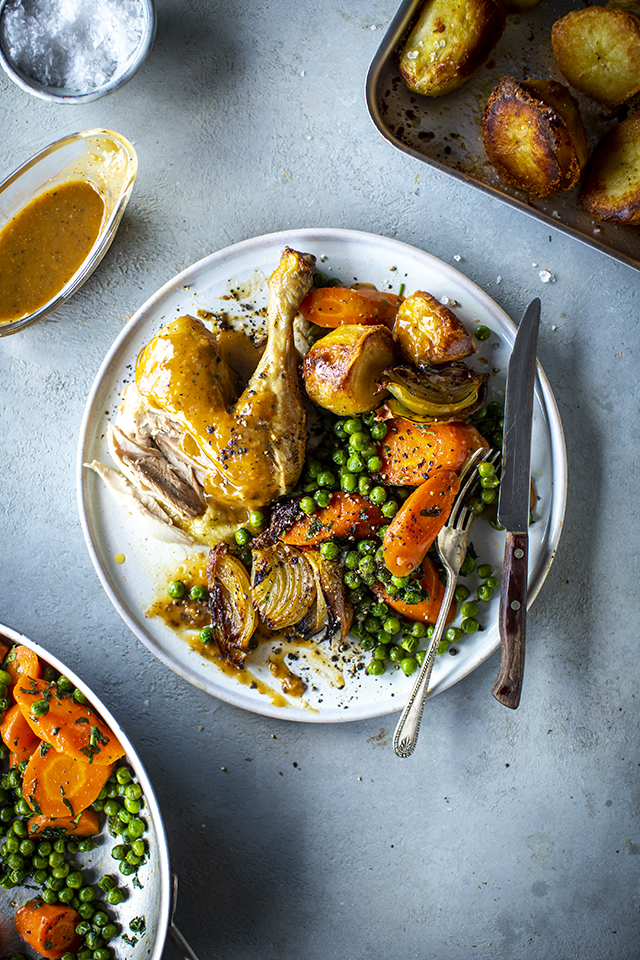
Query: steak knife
x=513, y=506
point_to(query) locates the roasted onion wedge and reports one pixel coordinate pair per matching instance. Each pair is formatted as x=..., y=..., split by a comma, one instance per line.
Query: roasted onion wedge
x=283, y=583
x=449, y=43
x=439, y=393
x=598, y=52
x=534, y=135
x=611, y=189
x=232, y=615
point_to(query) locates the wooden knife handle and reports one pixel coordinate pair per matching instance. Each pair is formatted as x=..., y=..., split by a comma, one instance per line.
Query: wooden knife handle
x=512, y=620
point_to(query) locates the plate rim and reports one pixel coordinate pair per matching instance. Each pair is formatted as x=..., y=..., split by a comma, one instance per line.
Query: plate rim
x=131, y=754
x=297, y=237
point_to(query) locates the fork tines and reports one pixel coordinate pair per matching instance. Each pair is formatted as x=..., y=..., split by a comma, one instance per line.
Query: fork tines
x=470, y=480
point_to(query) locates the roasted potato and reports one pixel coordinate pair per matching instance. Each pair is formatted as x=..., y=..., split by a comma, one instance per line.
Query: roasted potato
x=611, y=190
x=534, y=135
x=450, y=41
x=598, y=52
x=341, y=370
x=429, y=333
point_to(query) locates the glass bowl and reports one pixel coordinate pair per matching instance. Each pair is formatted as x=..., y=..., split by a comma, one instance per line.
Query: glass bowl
x=103, y=158
x=122, y=74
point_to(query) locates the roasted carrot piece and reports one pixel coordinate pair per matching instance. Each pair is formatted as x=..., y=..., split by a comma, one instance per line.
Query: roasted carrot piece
x=57, y=785
x=348, y=514
x=86, y=825
x=70, y=727
x=49, y=929
x=411, y=452
x=22, y=662
x=333, y=306
x=427, y=610
x=17, y=734
x=418, y=522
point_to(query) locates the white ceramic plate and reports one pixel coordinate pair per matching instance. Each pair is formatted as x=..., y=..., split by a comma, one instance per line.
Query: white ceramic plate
x=152, y=899
x=110, y=531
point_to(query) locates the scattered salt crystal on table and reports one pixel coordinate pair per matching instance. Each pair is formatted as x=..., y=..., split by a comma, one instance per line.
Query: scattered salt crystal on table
x=546, y=277
x=77, y=44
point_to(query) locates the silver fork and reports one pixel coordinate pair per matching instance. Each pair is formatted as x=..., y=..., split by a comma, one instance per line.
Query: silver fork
x=452, y=547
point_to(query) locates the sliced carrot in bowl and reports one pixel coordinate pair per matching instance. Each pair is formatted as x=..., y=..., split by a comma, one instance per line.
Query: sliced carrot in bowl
x=57, y=785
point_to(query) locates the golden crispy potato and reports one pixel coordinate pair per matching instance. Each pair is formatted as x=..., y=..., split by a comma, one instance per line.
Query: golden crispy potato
x=341, y=370
x=611, y=190
x=450, y=41
x=534, y=135
x=430, y=333
x=598, y=51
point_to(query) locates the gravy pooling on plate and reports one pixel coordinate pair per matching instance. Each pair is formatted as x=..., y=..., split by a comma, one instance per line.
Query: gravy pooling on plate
x=44, y=244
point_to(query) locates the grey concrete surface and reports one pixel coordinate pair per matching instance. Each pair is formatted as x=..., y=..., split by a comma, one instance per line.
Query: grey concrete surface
x=508, y=834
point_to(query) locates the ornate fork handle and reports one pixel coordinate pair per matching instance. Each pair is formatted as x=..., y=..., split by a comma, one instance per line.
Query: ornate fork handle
x=406, y=736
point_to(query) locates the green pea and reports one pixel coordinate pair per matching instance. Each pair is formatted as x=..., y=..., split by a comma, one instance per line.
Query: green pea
x=176, y=590
x=330, y=550
x=206, y=635
x=94, y=940
x=475, y=505
x=489, y=496
x=5, y=678
x=114, y=896
x=139, y=848
x=400, y=582
x=390, y=508
x=348, y=482
x=391, y=625
x=352, y=426
x=326, y=479
x=112, y=808
x=126, y=868
x=75, y=880
x=109, y=932
x=313, y=467
x=482, y=332
x=86, y=911
x=119, y=852
x=395, y=653
x=61, y=872
x=469, y=609
x=420, y=657
x=409, y=643
x=384, y=637
x=380, y=652
x=83, y=928
x=66, y=895
x=484, y=592
x=492, y=582
x=199, y=592
x=86, y=845
x=470, y=625
x=65, y=684
x=443, y=646
x=378, y=496
x=339, y=457
x=358, y=441
x=323, y=498
x=468, y=566
x=453, y=634
x=45, y=848
x=133, y=806
x=379, y=430
x=419, y=630
x=367, y=565
x=364, y=485
x=352, y=579
x=352, y=560
x=355, y=463
x=486, y=469
x=392, y=590
x=484, y=570
x=23, y=809
x=86, y=894
x=409, y=665
x=242, y=536
x=102, y=954
x=338, y=429
x=40, y=708
x=375, y=668
x=308, y=505
x=374, y=465
x=367, y=642
x=49, y=896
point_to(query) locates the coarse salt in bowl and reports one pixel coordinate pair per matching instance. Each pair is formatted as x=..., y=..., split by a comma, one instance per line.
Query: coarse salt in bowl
x=74, y=51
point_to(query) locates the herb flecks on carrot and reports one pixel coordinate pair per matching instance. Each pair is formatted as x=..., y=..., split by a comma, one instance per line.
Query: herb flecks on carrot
x=57, y=785
x=348, y=515
x=418, y=522
x=412, y=452
x=22, y=662
x=17, y=735
x=49, y=929
x=334, y=306
x=70, y=727
x=87, y=824
x=427, y=610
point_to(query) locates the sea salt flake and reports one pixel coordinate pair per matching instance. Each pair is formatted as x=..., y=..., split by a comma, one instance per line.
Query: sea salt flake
x=546, y=277
x=76, y=44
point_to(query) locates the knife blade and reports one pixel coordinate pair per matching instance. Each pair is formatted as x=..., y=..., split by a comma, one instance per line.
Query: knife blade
x=513, y=506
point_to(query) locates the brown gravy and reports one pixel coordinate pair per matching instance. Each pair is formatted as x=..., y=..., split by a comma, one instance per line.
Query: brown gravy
x=44, y=244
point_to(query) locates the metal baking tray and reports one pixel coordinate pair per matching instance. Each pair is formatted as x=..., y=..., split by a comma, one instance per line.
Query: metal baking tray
x=444, y=132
